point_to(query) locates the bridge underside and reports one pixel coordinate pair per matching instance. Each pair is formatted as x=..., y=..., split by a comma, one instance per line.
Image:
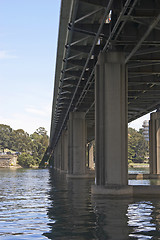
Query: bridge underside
x=107, y=74
x=88, y=27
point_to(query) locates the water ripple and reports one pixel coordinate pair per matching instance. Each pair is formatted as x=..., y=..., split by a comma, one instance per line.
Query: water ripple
x=38, y=204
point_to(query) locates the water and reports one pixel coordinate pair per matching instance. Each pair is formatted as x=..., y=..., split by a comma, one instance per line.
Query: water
x=138, y=170
x=23, y=204
x=37, y=204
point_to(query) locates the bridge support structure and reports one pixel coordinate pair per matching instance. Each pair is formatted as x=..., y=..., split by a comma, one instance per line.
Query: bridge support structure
x=154, y=143
x=90, y=156
x=58, y=155
x=64, y=164
x=55, y=157
x=111, y=134
x=76, y=144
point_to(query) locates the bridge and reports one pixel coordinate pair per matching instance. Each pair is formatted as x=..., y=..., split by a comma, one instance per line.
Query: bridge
x=107, y=74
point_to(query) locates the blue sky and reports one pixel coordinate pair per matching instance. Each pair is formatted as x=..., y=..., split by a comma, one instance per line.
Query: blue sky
x=28, y=42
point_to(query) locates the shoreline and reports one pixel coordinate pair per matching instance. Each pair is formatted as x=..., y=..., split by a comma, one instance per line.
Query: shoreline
x=138, y=165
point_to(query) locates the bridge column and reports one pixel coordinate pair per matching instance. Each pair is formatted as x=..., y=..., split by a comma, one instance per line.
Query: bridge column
x=64, y=164
x=59, y=154
x=76, y=144
x=90, y=156
x=154, y=143
x=111, y=121
x=55, y=156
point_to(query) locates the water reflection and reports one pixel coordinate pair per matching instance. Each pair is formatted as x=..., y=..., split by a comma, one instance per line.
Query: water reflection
x=76, y=214
x=141, y=220
x=139, y=182
x=71, y=213
x=111, y=217
x=138, y=170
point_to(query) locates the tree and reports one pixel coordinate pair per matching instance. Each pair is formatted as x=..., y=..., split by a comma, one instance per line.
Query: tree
x=39, y=143
x=5, y=133
x=31, y=146
x=21, y=141
x=26, y=160
x=137, y=146
x=41, y=131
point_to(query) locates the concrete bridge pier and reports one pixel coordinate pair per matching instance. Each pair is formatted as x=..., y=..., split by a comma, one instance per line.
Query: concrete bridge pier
x=61, y=153
x=64, y=163
x=154, y=143
x=56, y=157
x=76, y=144
x=90, y=156
x=111, y=131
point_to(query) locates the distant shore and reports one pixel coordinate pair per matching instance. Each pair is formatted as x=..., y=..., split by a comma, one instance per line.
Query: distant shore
x=138, y=165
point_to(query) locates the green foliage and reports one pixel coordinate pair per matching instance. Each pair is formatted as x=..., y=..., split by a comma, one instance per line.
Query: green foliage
x=137, y=146
x=5, y=134
x=21, y=141
x=34, y=145
x=39, y=143
x=26, y=160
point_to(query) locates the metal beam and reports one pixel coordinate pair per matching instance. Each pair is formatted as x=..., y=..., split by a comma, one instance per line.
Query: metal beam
x=150, y=28
x=102, y=3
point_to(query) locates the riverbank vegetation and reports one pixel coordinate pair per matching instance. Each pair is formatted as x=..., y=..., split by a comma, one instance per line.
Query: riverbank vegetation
x=29, y=148
x=138, y=147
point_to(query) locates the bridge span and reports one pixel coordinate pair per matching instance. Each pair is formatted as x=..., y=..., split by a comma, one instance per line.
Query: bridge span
x=107, y=74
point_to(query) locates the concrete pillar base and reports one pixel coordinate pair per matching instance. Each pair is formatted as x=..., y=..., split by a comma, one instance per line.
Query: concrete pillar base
x=111, y=190
x=146, y=191
x=63, y=171
x=57, y=169
x=130, y=191
x=79, y=176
